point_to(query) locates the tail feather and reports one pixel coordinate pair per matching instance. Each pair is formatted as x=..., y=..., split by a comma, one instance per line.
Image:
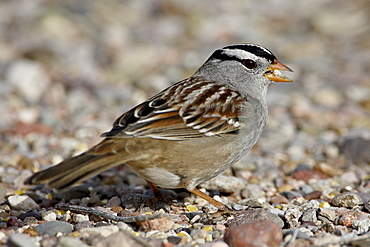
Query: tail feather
x=75, y=170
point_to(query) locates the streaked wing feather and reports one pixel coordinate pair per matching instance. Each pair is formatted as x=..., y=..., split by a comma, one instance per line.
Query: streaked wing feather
x=189, y=109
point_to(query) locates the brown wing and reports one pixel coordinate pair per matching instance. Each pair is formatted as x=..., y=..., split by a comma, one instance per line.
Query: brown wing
x=189, y=109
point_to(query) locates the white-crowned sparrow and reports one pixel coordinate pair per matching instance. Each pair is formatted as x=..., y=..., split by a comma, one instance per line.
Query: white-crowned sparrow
x=188, y=133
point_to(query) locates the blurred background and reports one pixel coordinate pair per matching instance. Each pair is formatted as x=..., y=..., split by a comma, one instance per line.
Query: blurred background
x=68, y=69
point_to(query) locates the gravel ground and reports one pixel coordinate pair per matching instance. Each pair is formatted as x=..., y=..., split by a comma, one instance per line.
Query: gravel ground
x=69, y=68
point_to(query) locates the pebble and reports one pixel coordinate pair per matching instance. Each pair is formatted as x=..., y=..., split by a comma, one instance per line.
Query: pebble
x=51, y=228
x=103, y=231
x=2, y=193
x=22, y=202
x=292, y=216
x=30, y=221
x=322, y=117
x=252, y=191
x=309, y=215
x=123, y=226
x=307, y=175
x=49, y=216
x=113, y=202
x=83, y=224
x=356, y=146
x=306, y=189
x=2, y=236
x=259, y=233
x=30, y=73
x=12, y=221
x=253, y=215
x=361, y=226
x=65, y=241
x=347, y=219
x=185, y=237
x=254, y=203
x=174, y=239
x=298, y=233
x=347, y=200
x=20, y=240
x=121, y=238
x=209, y=209
x=80, y=218
x=161, y=224
x=327, y=213
x=216, y=244
x=225, y=184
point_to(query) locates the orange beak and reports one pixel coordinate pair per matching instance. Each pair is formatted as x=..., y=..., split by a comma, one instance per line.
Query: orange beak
x=273, y=72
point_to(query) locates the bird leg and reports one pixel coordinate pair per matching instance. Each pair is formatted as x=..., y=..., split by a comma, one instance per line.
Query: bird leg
x=160, y=200
x=217, y=204
x=161, y=197
x=155, y=189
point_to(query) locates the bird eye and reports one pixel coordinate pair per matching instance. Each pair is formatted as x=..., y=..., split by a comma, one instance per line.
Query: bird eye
x=250, y=64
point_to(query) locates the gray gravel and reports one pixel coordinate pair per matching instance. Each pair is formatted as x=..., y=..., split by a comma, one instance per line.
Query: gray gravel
x=69, y=68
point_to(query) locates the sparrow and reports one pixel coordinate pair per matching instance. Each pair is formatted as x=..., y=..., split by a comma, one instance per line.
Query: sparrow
x=188, y=133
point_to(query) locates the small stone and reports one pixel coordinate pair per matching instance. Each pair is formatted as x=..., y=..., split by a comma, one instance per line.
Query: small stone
x=237, y=207
x=30, y=73
x=185, y=237
x=113, y=202
x=22, y=202
x=83, y=224
x=32, y=232
x=225, y=184
x=122, y=239
x=365, y=197
x=66, y=217
x=174, y=239
x=2, y=193
x=309, y=215
x=307, y=175
x=285, y=188
x=49, y=216
x=292, y=215
x=65, y=241
x=327, y=213
x=216, y=244
x=347, y=200
x=278, y=198
x=47, y=203
x=347, y=219
x=20, y=240
x=13, y=222
x=33, y=214
x=259, y=233
x=161, y=224
x=253, y=203
x=356, y=146
x=362, y=226
x=80, y=218
x=253, y=215
x=306, y=189
x=4, y=215
x=51, y=228
x=103, y=231
x=252, y=191
x=298, y=232
x=30, y=220
x=290, y=195
x=48, y=242
x=210, y=209
x=313, y=195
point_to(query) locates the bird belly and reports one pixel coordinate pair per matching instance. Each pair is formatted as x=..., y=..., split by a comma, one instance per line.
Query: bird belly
x=160, y=177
